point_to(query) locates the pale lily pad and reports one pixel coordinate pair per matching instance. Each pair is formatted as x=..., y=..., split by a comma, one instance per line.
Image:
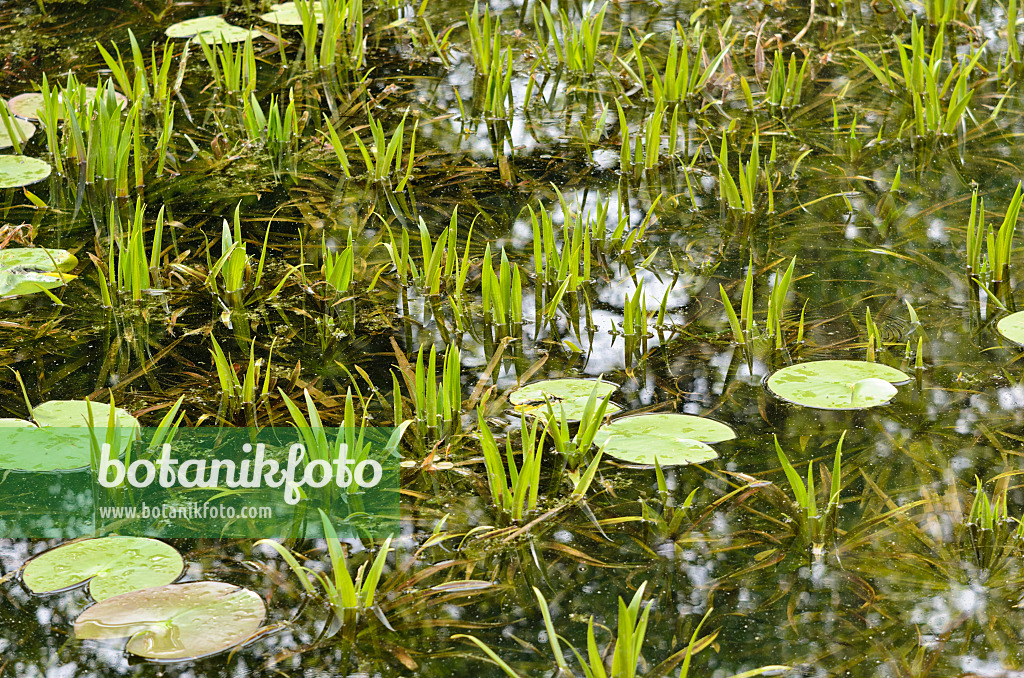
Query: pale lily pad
x=111, y=565
x=212, y=28
x=177, y=621
x=30, y=104
x=1012, y=327
x=836, y=384
x=60, y=438
x=21, y=170
x=27, y=130
x=671, y=438
x=26, y=270
x=287, y=14
x=568, y=395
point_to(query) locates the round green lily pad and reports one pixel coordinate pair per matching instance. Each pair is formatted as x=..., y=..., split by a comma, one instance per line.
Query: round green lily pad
x=1012, y=327
x=60, y=439
x=836, y=384
x=111, y=565
x=26, y=128
x=26, y=270
x=287, y=14
x=21, y=170
x=30, y=104
x=212, y=28
x=177, y=621
x=671, y=438
x=568, y=395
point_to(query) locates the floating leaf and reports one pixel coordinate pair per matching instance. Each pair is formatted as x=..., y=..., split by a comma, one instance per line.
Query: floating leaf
x=111, y=565
x=60, y=438
x=27, y=130
x=212, y=28
x=25, y=270
x=30, y=104
x=1012, y=327
x=568, y=394
x=287, y=14
x=20, y=170
x=836, y=384
x=176, y=621
x=672, y=438
x=871, y=390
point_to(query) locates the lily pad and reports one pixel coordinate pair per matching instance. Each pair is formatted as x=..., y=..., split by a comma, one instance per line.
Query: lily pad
x=177, y=621
x=30, y=104
x=212, y=28
x=1012, y=327
x=111, y=565
x=60, y=438
x=671, y=438
x=568, y=395
x=21, y=170
x=287, y=14
x=26, y=270
x=836, y=384
x=27, y=130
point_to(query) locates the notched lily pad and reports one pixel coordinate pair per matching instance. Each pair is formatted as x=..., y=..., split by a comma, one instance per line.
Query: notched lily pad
x=1012, y=327
x=60, y=439
x=212, y=28
x=570, y=395
x=837, y=384
x=26, y=270
x=287, y=14
x=177, y=621
x=671, y=438
x=111, y=565
x=21, y=170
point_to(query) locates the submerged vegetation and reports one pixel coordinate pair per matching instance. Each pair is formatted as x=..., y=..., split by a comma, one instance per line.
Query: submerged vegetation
x=692, y=323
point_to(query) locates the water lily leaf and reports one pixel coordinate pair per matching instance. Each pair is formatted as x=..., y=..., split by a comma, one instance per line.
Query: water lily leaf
x=672, y=438
x=176, y=621
x=1012, y=327
x=26, y=270
x=27, y=130
x=212, y=28
x=20, y=170
x=870, y=391
x=568, y=394
x=111, y=565
x=60, y=438
x=287, y=14
x=30, y=104
x=836, y=384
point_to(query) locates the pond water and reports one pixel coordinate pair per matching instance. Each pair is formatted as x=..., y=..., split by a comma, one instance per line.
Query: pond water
x=862, y=174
